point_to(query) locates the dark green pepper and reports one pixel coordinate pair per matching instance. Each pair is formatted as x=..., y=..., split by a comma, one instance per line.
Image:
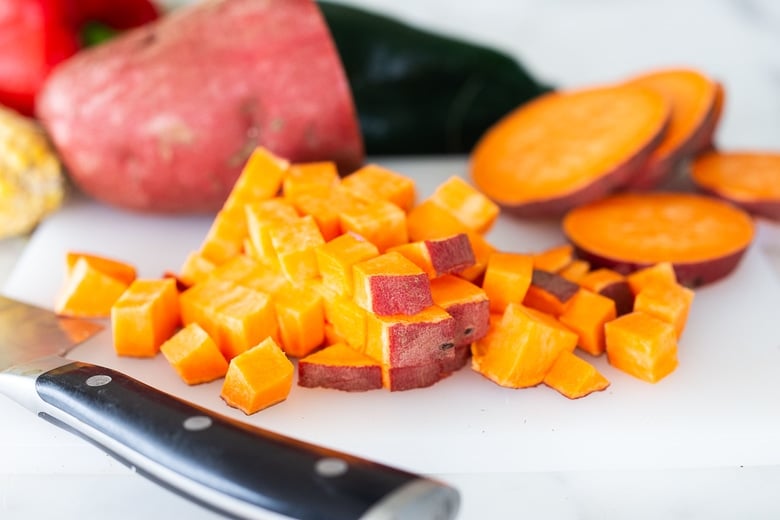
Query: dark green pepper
x=420, y=93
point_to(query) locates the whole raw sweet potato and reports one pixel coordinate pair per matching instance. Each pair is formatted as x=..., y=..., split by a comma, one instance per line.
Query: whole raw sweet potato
x=163, y=117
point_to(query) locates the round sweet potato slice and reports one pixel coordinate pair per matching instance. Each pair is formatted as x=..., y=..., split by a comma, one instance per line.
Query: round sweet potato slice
x=750, y=180
x=702, y=237
x=568, y=148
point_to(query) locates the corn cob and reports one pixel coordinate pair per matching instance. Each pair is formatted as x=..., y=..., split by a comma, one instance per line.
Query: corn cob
x=31, y=179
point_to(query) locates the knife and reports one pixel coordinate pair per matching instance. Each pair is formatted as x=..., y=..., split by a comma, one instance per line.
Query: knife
x=233, y=468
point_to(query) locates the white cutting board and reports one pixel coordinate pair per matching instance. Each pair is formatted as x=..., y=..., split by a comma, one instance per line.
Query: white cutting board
x=721, y=407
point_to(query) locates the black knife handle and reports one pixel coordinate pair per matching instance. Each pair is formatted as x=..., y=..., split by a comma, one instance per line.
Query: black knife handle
x=238, y=469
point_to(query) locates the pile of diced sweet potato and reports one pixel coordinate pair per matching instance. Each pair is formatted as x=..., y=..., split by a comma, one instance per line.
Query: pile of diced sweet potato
x=367, y=288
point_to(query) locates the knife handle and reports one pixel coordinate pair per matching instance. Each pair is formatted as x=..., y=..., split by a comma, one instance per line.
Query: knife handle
x=234, y=468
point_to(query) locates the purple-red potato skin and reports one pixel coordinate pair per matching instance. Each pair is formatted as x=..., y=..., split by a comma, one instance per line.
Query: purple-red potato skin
x=554, y=284
x=693, y=274
x=769, y=209
x=346, y=378
x=472, y=320
x=399, y=341
x=620, y=293
x=451, y=254
x=163, y=117
x=416, y=376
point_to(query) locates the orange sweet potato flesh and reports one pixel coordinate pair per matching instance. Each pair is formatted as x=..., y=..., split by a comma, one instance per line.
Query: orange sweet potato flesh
x=88, y=292
x=194, y=355
x=693, y=97
x=114, y=268
x=568, y=148
x=642, y=345
x=586, y=315
x=145, y=316
x=574, y=377
x=258, y=378
x=703, y=238
x=748, y=179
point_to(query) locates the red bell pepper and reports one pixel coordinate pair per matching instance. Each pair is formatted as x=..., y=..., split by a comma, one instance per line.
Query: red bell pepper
x=35, y=35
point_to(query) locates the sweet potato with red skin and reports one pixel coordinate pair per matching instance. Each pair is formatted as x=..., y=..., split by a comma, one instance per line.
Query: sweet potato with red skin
x=163, y=117
x=611, y=284
x=703, y=238
x=549, y=292
x=568, y=148
x=398, y=379
x=339, y=367
x=694, y=99
x=748, y=179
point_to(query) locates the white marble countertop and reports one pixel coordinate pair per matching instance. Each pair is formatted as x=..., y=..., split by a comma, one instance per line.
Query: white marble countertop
x=568, y=43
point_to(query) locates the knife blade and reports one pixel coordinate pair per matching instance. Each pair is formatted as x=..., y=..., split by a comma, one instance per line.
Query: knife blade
x=231, y=467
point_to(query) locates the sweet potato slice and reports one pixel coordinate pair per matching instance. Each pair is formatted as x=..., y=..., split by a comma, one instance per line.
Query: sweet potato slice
x=429, y=220
x=576, y=270
x=574, y=377
x=398, y=379
x=194, y=355
x=439, y=256
x=555, y=258
x=465, y=302
x=522, y=347
x=703, y=238
x=641, y=345
x=145, y=316
x=88, y=292
x=661, y=272
x=568, y=148
x=750, y=180
x=258, y=378
x=340, y=367
x=693, y=97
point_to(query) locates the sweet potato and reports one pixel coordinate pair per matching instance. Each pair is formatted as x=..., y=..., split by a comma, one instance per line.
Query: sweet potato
x=340, y=367
x=194, y=355
x=703, y=238
x=693, y=97
x=641, y=345
x=568, y=148
x=145, y=316
x=163, y=117
x=88, y=292
x=750, y=180
x=611, y=284
x=574, y=377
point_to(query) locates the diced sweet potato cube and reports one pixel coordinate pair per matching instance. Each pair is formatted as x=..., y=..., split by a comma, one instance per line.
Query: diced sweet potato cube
x=507, y=279
x=258, y=378
x=397, y=379
x=574, y=377
x=145, y=316
x=466, y=303
x=482, y=251
x=470, y=206
x=311, y=177
x=294, y=243
x=236, y=317
x=374, y=182
x=195, y=268
x=439, y=256
x=554, y=259
x=549, y=292
x=641, y=345
x=260, y=217
x=260, y=179
x=326, y=208
x=114, y=268
x=586, y=315
x=660, y=272
x=382, y=223
x=194, y=355
x=336, y=257
x=409, y=340
x=429, y=220
x=390, y=284
x=88, y=292
x=248, y=272
x=575, y=270
x=611, y=284
x=666, y=300
x=225, y=237
x=340, y=367
x=522, y=348
x=301, y=319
